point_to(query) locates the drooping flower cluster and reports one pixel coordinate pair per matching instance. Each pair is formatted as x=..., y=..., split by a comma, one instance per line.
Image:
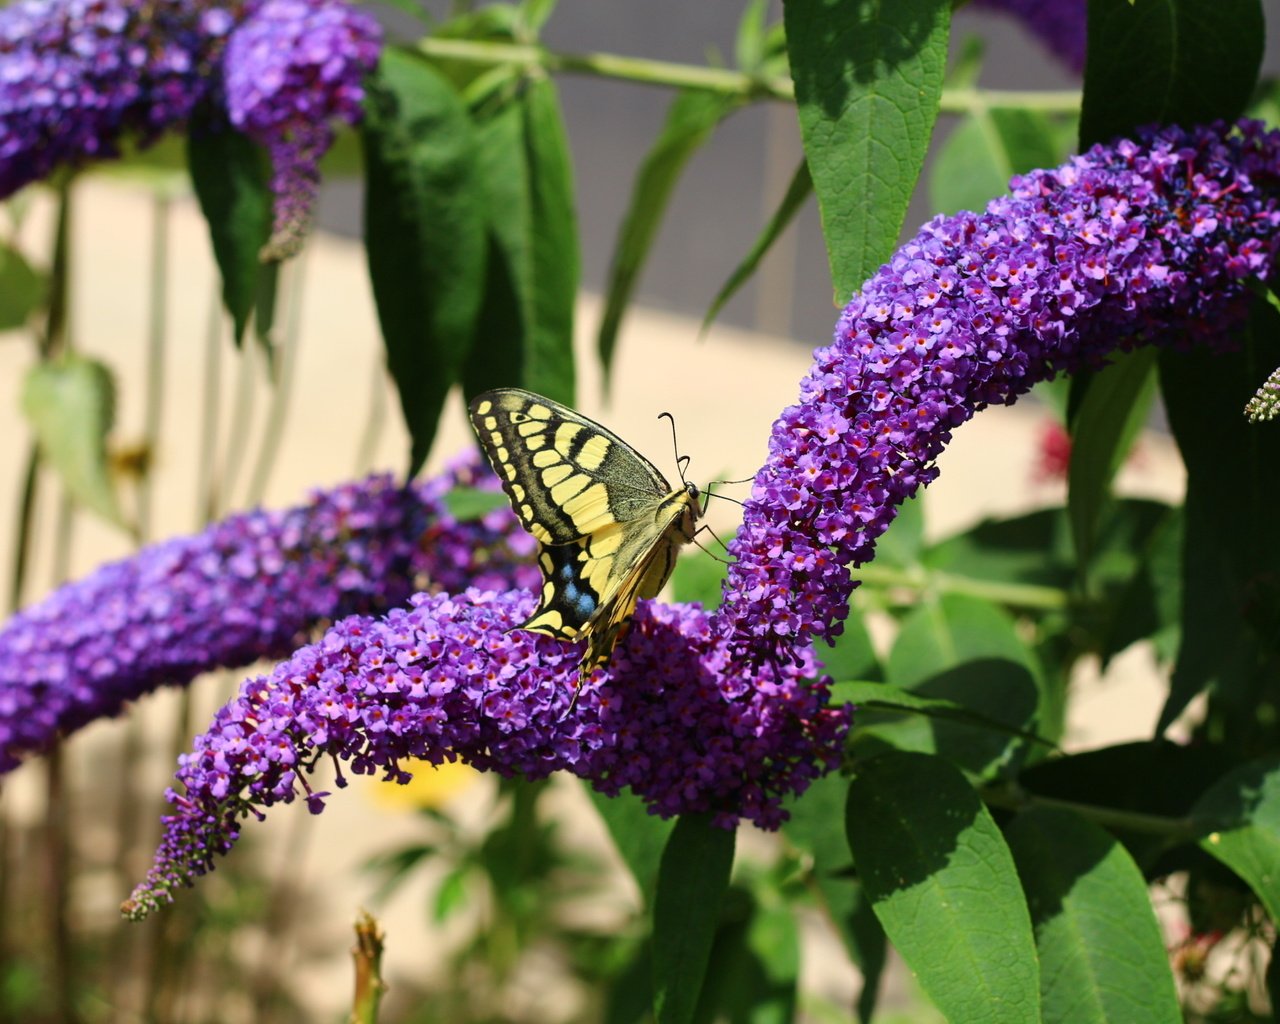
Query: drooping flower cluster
x=77, y=76
x=292, y=70
x=448, y=679
x=1128, y=244
x=1059, y=24
x=1265, y=404
x=249, y=587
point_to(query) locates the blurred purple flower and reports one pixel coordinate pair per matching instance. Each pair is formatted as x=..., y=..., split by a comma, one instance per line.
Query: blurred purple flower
x=1128, y=244
x=251, y=586
x=1059, y=24
x=451, y=679
x=291, y=71
x=77, y=76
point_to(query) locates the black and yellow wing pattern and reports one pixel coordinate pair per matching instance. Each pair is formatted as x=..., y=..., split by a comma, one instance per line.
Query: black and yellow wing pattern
x=608, y=523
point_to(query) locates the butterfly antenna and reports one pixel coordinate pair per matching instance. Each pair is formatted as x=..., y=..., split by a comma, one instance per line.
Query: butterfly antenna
x=709, y=494
x=682, y=461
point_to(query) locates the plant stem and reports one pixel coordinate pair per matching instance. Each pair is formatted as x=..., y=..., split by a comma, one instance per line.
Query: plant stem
x=1016, y=799
x=207, y=475
x=367, y=954
x=59, y=885
x=719, y=80
x=48, y=344
x=55, y=332
x=278, y=411
x=1021, y=595
x=157, y=316
x=241, y=421
x=23, y=532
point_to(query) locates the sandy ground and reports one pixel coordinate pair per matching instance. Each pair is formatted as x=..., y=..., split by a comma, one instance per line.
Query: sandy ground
x=724, y=392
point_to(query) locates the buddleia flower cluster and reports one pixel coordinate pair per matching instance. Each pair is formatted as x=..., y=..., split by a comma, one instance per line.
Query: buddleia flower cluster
x=1058, y=24
x=251, y=586
x=80, y=77
x=1142, y=242
x=1265, y=404
x=294, y=69
x=452, y=679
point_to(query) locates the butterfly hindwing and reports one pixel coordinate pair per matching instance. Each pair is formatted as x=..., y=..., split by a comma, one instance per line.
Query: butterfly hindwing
x=608, y=523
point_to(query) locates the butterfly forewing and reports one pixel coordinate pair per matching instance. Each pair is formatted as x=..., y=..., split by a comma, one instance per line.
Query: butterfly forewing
x=609, y=524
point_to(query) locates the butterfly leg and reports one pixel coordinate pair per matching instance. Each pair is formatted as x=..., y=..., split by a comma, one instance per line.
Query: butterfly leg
x=704, y=549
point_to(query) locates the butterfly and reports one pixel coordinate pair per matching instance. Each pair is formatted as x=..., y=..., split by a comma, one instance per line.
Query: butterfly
x=608, y=524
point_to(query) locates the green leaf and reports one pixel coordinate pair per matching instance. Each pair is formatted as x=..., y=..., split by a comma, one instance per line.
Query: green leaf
x=639, y=836
x=451, y=894
x=755, y=959
x=691, y=119
x=868, y=696
x=525, y=332
x=698, y=577
x=467, y=504
x=1102, y=956
x=749, y=44
x=944, y=886
x=967, y=652
x=986, y=149
x=1032, y=549
x=1150, y=604
x=1238, y=821
x=797, y=192
x=413, y=8
x=23, y=289
x=816, y=826
x=1153, y=777
x=424, y=234
x=70, y=404
x=903, y=546
x=1168, y=62
x=1231, y=567
x=852, y=655
x=534, y=14
x=868, y=78
x=1115, y=408
x=692, y=880
x=774, y=964
x=231, y=177
x=554, y=261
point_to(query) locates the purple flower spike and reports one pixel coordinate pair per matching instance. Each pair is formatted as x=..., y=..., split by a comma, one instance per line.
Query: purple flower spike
x=249, y=587
x=1126, y=245
x=76, y=76
x=450, y=679
x=1058, y=24
x=291, y=70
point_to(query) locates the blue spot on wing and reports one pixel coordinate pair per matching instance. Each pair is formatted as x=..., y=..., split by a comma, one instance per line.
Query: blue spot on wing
x=583, y=602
